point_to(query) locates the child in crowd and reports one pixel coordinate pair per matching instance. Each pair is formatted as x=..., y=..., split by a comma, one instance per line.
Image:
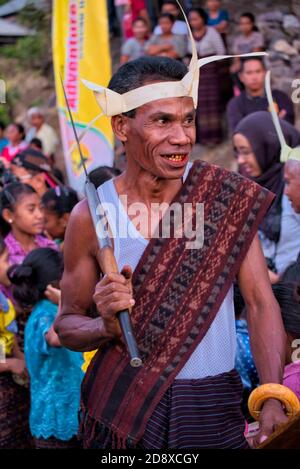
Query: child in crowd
x=57, y=205
x=249, y=40
x=14, y=399
x=22, y=221
x=55, y=372
x=167, y=44
x=15, y=134
x=217, y=17
x=134, y=47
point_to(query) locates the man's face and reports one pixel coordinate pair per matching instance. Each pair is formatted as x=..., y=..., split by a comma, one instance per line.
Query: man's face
x=292, y=184
x=36, y=120
x=140, y=29
x=253, y=75
x=161, y=136
x=213, y=5
x=245, y=25
x=169, y=8
x=166, y=25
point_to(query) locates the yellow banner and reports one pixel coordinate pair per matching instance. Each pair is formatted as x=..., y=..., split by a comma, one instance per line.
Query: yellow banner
x=81, y=50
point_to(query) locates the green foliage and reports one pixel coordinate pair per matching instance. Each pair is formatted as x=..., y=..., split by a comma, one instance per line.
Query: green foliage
x=34, y=19
x=31, y=51
x=4, y=114
x=28, y=51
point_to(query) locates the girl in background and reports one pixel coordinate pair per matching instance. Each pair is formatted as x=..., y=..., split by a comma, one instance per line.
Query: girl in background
x=209, y=111
x=22, y=222
x=55, y=372
x=57, y=206
x=250, y=40
x=134, y=47
x=15, y=134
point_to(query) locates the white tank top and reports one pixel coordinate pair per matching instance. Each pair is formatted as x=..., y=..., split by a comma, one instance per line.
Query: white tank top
x=216, y=352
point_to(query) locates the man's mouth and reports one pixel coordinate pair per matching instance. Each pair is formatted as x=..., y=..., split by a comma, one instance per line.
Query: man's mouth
x=176, y=157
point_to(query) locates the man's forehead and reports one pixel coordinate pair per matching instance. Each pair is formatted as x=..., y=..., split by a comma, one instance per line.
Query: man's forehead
x=168, y=105
x=292, y=169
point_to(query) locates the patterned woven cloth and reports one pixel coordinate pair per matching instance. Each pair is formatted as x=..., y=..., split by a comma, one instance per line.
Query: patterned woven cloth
x=14, y=414
x=178, y=293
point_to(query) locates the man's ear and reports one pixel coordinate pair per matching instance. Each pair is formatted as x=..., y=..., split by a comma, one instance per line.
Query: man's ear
x=119, y=125
x=241, y=76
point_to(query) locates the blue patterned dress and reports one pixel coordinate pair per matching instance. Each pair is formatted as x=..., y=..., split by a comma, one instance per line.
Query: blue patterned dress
x=55, y=378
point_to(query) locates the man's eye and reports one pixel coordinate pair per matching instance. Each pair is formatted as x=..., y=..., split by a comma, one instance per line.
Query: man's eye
x=189, y=120
x=162, y=121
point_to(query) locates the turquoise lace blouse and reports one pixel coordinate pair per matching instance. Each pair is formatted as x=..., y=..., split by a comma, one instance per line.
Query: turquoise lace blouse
x=55, y=378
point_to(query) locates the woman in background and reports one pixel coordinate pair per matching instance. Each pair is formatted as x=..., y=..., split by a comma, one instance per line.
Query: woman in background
x=258, y=153
x=209, y=112
x=167, y=44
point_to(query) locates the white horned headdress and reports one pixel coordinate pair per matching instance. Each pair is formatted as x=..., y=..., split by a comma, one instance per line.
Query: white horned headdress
x=287, y=152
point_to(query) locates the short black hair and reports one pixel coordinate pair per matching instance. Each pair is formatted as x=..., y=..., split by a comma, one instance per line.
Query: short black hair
x=140, y=18
x=2, y=246
x=20, y=127
x=201, y=12
x=248, y=59
x=171, y=2
x=37, y=142
x=138, y=72
x=168, y=16
x=2, y=125
x=102, y=174
x=60, y=200
x=41, y=267
x=248, y=15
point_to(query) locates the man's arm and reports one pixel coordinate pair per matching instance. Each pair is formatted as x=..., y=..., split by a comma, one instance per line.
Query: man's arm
x=267, y=335
x=75, y=329
x=80, y=287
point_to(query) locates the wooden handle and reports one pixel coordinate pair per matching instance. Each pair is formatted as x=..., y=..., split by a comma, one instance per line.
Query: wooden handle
x=107, y=261
x=273, y=391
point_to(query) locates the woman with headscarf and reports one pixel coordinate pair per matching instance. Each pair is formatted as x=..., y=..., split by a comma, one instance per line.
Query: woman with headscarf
x=258, y=152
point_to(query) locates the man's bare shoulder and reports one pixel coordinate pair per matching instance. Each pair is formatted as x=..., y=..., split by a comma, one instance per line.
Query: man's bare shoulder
x=80, y=232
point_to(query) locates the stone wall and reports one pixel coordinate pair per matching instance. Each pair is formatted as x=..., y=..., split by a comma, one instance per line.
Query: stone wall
x=279, y=21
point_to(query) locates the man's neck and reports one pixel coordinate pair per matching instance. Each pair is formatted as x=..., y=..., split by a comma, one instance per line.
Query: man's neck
x=257, y=93
x=141, y=186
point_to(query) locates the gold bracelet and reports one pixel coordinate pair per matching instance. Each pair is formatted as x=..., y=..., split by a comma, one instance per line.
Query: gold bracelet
x=273, y=391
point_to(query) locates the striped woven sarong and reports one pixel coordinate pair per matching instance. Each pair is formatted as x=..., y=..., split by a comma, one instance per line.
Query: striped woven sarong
x=198, y=413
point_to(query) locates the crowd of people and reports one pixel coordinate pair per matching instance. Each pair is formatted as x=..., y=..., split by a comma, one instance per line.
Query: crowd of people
x=40, y=379
x=238, y=88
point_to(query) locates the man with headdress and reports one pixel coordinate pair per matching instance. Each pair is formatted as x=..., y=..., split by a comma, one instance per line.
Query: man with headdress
x=187, y=393
x=292, y=183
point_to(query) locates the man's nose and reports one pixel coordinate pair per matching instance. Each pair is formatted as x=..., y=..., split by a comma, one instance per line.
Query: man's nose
x=179, y=136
